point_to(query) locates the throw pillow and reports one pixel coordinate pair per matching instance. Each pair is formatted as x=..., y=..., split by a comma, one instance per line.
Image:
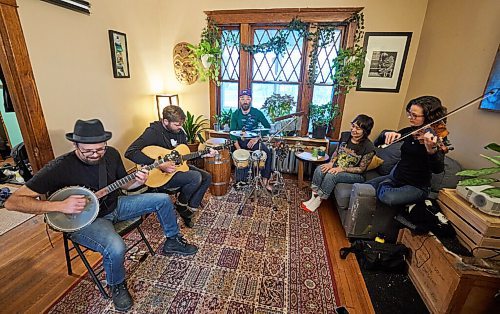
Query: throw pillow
x=391, y=156
x=375, y=163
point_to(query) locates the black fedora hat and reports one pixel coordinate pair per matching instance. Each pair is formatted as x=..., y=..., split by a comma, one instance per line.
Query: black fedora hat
x=89, y=132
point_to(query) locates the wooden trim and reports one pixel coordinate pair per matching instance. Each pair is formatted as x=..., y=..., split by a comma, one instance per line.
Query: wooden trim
x=245, y=58
x=307, y=90
x=15, y=62
x=9, y=2
x=340, y=99
x=310, y=15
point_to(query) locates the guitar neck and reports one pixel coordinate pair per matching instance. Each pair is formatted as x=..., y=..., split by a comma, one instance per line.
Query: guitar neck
x=119, y=183
x=195, y=154
x=203, y=152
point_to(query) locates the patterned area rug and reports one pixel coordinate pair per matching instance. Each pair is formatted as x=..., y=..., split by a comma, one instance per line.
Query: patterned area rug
x=262, y=261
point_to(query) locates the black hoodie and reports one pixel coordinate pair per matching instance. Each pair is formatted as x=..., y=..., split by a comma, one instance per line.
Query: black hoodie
x=156, y=134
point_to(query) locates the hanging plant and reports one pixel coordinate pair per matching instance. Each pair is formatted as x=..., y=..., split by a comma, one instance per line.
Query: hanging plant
x=207, y=55
x=349, y=64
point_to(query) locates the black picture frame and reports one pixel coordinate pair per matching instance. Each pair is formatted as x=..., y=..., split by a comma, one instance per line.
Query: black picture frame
x=75, y=5
x=492, y=103
x=386, y=54
x=119, y=54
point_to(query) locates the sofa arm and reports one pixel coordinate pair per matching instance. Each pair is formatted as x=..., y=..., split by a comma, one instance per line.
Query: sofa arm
x=362, y=205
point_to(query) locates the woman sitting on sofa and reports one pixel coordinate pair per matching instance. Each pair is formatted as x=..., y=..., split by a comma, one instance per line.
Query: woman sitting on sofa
x=347, y=165
x=410, y=180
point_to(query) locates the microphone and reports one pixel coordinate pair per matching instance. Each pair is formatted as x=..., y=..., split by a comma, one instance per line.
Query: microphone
x=296, y=114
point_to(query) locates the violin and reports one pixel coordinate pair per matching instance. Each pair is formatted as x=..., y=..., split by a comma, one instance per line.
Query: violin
x=439, y=130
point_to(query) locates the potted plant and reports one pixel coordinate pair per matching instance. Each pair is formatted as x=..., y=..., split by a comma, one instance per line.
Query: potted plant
x=476, y=177
x=224, y=119
x=321, y=117
x=194, y=127
x=278, y=105
x=207, y=55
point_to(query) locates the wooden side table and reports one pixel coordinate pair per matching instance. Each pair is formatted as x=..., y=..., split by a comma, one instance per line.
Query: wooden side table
x=307, y=157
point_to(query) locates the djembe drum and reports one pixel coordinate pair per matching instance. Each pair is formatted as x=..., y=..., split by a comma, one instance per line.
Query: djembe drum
x=219, y=167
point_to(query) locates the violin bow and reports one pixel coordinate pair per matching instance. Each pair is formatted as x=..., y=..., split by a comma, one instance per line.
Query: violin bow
x=484, y=96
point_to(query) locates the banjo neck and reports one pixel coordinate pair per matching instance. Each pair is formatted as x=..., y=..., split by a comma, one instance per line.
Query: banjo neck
x=121, y=182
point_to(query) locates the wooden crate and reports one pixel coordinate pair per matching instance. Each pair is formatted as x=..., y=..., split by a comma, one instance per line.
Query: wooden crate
x=476, y=230
x=442, y=281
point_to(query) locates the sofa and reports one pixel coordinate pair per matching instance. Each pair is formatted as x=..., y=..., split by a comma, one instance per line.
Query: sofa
x=362, y=215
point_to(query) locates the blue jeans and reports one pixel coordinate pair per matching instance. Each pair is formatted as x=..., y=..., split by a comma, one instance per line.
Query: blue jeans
x=324, y=183
x=393, y=193
x=266, y=172
x=100, y=235
x=193, y=185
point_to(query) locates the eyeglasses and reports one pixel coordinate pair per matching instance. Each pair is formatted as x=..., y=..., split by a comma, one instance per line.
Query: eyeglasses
x=412, y=115
x=90, y=152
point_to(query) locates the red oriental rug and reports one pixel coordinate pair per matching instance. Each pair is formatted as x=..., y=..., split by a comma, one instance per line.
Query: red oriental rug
x=262, y=261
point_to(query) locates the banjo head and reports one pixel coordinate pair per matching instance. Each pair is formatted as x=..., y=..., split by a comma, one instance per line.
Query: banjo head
x=73, y=222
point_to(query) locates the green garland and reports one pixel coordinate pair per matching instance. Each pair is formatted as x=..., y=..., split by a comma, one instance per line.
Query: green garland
x=348, y=65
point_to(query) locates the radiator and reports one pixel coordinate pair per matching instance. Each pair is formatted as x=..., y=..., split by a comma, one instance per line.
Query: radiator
x=290, y=163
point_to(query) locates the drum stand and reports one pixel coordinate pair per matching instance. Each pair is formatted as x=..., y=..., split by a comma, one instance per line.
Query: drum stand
x=255, y=183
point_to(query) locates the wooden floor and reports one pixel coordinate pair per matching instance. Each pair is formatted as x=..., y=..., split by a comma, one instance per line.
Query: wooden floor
x=33, y=274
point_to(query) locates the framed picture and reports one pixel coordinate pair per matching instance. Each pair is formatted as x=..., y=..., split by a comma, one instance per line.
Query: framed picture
x=384, y=62
x=492, y=103
x=75, y=5
x=119, y=54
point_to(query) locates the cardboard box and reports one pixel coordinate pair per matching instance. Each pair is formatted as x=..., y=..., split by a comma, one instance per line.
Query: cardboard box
x=475, y=230
x=444, y=281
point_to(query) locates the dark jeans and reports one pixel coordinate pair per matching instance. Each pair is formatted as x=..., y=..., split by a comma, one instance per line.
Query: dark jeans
x=393, y=193
x=266, y=172
x=193, y=184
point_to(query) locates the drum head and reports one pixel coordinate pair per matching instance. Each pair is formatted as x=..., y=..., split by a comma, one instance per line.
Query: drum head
x=241, y=154
x=213, y=142
x=259, y=154
x=72, y=222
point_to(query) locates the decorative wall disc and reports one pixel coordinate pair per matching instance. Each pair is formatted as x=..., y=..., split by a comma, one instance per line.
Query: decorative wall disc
x=185, y=71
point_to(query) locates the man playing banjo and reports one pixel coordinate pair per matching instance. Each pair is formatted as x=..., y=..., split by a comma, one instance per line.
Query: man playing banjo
x=86, y=166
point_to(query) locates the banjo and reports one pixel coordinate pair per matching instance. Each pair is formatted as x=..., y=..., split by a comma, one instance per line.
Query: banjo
x=73, y=222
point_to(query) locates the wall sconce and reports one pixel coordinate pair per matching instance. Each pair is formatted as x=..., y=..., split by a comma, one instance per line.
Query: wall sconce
x=165, y=100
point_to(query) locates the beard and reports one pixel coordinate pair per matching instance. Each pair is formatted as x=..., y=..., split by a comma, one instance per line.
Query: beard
x=245, y=106
x=91, y=162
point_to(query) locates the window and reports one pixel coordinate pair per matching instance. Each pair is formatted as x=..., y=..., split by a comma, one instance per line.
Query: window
x=230, y=69
x=268, y=73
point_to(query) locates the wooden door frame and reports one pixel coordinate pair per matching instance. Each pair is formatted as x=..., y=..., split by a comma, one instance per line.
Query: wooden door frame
x=16, y=66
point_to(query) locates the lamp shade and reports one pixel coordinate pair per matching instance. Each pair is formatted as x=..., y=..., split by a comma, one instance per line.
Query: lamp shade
x=166, y=100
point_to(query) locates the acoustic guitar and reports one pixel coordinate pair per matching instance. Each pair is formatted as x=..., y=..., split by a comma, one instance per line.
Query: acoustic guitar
x=180, y=155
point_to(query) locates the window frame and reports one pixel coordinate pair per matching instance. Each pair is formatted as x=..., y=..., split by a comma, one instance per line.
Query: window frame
x=248, y=20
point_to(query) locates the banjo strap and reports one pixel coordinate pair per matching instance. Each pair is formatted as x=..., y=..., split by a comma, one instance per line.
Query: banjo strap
x=103, y=175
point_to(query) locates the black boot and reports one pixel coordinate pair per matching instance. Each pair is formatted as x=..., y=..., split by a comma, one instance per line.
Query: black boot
x=185, y=214
x=178, y=245
x=121, y=298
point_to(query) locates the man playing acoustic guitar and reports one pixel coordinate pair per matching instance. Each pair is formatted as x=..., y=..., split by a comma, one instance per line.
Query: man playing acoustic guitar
x=167, y=133
x=94, y=165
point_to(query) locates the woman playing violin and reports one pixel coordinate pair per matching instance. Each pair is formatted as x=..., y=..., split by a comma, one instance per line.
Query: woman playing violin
x=410, y=180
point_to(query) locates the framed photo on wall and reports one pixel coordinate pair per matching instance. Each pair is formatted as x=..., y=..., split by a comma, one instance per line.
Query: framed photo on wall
x=492, y=103
x=119, y=54
x=385, y=61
